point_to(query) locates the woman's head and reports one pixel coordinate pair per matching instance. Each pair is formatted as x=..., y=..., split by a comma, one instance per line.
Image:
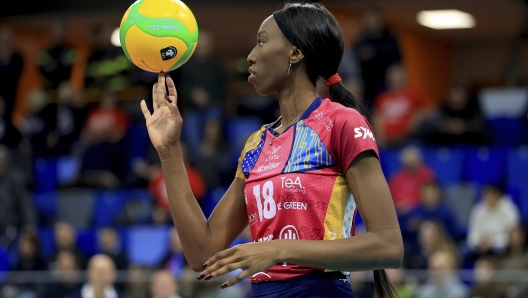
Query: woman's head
x=304, y=34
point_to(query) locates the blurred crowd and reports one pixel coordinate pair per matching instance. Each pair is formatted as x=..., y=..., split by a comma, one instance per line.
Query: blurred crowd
x=94, y=138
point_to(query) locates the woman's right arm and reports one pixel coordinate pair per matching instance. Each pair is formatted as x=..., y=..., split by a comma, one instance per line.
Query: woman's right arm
x=201, y=238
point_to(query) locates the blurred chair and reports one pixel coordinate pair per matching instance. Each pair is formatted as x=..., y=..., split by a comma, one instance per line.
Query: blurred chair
x=461, y=198
x=390, y=161
x=147, y=245
x=46, y=204
x=68, y=169
x=76, y=206
x=86, y=242
x=108, y=205
x=518, y=166
x=446, y=163
x=45, y=174
x=238, y=131
x=485, y=165
x=46, y=237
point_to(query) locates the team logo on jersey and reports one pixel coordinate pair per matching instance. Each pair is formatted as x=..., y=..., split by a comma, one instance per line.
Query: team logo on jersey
x=319, y=116
x=289, y=232
x=362, y=132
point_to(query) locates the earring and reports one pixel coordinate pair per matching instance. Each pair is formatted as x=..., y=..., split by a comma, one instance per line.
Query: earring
x=289, y=69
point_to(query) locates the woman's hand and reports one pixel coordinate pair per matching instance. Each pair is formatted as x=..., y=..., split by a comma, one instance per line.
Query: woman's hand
x=251, y=258
x=165, y=124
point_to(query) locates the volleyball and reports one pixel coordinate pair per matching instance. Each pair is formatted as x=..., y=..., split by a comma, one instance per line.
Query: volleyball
x=158, y=35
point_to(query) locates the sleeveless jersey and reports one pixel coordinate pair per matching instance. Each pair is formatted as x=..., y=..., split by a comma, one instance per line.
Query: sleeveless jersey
x=295, y=186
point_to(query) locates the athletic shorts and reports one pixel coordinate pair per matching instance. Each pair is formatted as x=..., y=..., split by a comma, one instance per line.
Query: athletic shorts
x=313, y=285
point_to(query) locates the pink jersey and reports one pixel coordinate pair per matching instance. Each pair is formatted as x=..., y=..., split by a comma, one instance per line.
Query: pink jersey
x=295, y=187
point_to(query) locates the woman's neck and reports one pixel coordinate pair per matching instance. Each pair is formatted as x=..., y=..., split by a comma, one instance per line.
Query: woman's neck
x=295, y=99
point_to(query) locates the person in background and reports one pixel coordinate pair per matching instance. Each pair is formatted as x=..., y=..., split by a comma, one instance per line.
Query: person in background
x=399, y=111
x=459, y=120
x=56, y=62
x=17, y=211
x=485, y=286
x=137, y=285
x=65, y=239
x=174, y=261
x=515, y=258
x=107, y=67
x=443, y=281
x=101, y=277
x=490, y=223
x=377, y=48
x=104, y=161
x=68, y=272
x=432, y=208
x=163, y=285
x=431, y=238
x=11, y=66
x=214, y=162
x=29, y=259
x=9, y=134
x=110, y=246
x=203, y=89
x=406, y=184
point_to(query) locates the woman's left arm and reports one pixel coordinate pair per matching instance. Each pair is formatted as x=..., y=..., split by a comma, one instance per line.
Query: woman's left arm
x=380, y=247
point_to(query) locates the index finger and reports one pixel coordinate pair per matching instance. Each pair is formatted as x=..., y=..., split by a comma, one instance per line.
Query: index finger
x=161, y=89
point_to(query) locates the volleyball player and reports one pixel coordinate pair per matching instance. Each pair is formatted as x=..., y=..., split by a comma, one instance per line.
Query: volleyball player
x=300, y=179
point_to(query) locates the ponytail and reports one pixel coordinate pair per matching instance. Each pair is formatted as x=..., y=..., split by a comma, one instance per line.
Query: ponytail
x=340, y=94
x=383, y=286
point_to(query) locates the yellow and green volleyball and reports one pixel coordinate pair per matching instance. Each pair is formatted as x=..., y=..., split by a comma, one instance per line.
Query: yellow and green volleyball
x=158, y=35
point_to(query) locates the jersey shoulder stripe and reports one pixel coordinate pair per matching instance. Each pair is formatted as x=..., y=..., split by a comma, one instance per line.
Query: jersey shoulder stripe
x=251, y=153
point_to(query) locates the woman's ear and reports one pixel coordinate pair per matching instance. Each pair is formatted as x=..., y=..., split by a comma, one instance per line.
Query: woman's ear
x=296, y=55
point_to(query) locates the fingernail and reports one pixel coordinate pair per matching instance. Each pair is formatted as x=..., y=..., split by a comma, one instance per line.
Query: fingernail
x=223, y=286
x=200, y=277
x=170, y=101
x=204, y=266
x=208, y=277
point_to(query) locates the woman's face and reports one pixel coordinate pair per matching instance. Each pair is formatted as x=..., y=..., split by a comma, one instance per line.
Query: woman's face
x=269, y=59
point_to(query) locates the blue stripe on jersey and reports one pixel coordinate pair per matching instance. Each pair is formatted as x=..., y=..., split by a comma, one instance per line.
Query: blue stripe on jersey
x=308, y=152
x=251, y=157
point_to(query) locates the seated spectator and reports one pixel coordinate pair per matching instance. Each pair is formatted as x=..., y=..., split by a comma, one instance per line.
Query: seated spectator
x=406, y=183
x=213, y=159
x=29, y=259
x=137, y=285
x=491, y=222
x=485, y=286
x=105, y=163
x=399, y=111
x=68, y=273
x=65, y=239
x=164, y=285
x=101, y=277
x=110, y=246
x=9, y=134
x=459, y=120
x=431, y=238
x=175, y=260
x=431, y=208
x=443, y=281
x=516, y=258
x=16, y=207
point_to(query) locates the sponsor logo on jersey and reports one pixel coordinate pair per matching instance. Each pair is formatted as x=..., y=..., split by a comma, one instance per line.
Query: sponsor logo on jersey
x=292, y=185
x=362, y=132
x=289, y=232
x=270, y=166
x=319, y=116
x=266, y=238
x=328, y=123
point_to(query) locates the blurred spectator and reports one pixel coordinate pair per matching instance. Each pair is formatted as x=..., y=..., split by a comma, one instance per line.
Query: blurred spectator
x=65, y=239
x=443, y=281
x=11, y=65
x=406, y=183
x=432, y=208
x=399, y=111
x=516, y=258
x=157, y=182
x=33, y=125
x=491, y=222
x=163, y=285
x=203, y=89
x=16, y=207
x=68, y=273
x=29, y=260
x=175, y=260
x=376, y=50
x=485, y=287
x=56, y=61
x=213, y=161
x=459, y=120
x=9, y=134
x=101, y=276
x=107, y=67
x=431, y=238
x=110, y=246
x=137, y=282
x=105, y=162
